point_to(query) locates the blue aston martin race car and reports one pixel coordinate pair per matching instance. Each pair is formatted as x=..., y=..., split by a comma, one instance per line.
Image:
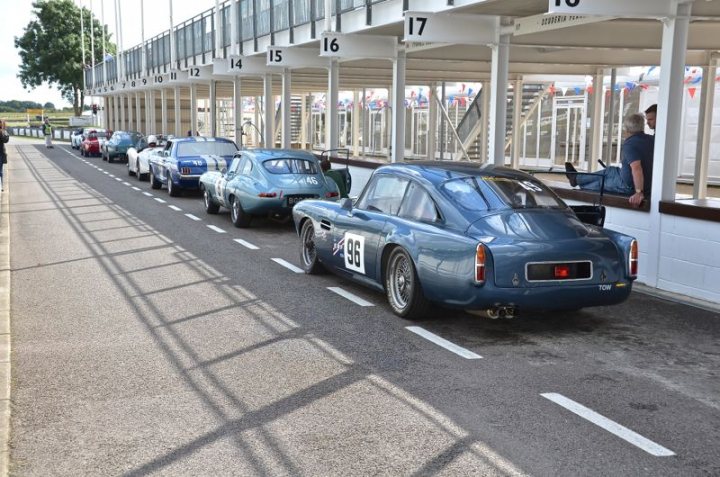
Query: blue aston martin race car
x=184, y=160
x=467, y=236
x=267, y=182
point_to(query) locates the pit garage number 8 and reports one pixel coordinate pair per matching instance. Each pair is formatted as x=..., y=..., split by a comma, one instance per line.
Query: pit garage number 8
x=354, y=251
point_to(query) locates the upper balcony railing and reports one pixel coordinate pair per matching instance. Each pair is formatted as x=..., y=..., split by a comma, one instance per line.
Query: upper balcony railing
x=195, y=37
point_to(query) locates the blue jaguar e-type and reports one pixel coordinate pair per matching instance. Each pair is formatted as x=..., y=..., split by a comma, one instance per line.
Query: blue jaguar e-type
x=265, y=182
x=468, y=236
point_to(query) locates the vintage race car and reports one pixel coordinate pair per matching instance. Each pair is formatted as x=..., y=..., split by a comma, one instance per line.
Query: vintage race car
x=91, y=144
x=265, y=182
x=139, y=155
x=468, y=236
x=184, y=160
x=118, y=145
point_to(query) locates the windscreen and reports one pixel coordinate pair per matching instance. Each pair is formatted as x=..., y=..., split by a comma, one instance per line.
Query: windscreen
x=291, y=166
x=205, y=148
x=494, y=192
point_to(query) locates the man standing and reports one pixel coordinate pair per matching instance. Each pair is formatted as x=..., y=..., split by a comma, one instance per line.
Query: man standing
x=650, y=115
x=4, y=137
x=634, y=177
x=47, y=132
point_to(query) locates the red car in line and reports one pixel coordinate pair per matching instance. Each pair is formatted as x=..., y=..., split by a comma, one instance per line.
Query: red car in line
x=92, y=143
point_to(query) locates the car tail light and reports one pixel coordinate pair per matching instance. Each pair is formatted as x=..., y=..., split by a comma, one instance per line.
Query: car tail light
x=633, y=259
x=480, y=256
x=562, y=271
x=267, y=194
x=185, y=171
x=331, y=194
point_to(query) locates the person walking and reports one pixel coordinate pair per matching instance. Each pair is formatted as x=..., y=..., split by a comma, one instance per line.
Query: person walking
x=4, y=138
x=47, y=132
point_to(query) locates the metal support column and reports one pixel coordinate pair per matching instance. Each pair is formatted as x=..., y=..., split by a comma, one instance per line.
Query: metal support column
x=269, y=102
x=669, y=130
x=213, y=107
x=138, y=112
x=596, y=139
x=304, y=121
x=331, y=106
x=237, y=110
x=432, y=122
x=116, y=113
x=121, y=104
x=286, y=103
x=498, y=101
x=163, y=111
x=517, y=133
x=398, y=111
x=356, y=123
x=705, y=119
x=485, y=118
x=193, y=110
x=611, y=118
x=131, y=122
x=178, y=114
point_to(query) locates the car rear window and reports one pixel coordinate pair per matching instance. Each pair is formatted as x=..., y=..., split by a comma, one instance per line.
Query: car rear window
x=202, y=148
x=493, y=192
x=291, y=166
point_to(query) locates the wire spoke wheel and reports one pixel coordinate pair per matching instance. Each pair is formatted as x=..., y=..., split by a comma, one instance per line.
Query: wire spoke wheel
x=308, y=249
x=402, y=280
x=403, y=288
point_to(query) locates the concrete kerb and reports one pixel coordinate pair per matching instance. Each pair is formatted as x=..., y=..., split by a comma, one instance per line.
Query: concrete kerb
x=5, y=327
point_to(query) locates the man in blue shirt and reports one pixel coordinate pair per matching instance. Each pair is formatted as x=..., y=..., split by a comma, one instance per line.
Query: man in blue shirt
x=634, y=177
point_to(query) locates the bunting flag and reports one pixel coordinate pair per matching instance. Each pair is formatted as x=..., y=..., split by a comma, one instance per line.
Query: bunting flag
x=564, y=90
x=692, y=91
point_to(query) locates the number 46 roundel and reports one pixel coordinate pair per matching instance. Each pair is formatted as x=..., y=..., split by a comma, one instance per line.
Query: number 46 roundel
x=354, y=251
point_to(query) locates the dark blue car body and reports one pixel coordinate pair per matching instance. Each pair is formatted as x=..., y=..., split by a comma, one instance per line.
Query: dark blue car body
x=445, y=225
x=184, y=160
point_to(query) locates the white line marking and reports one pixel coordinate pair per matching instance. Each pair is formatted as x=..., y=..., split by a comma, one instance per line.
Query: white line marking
x=175, y=208
x=135, y=188
x=247, y=244
x=126, y=183
x=191, y=216
x=160, y=200
x=216, y=229
x=611, y=426
x=287, y=265
x=111, y=175
x=458, y=350
x=106, y=173
x=353, y=298
x=118, y=179
x=147, y=194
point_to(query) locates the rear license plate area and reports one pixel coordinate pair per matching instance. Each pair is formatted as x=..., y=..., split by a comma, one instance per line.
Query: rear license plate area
x=558, y=271
x=294, y=199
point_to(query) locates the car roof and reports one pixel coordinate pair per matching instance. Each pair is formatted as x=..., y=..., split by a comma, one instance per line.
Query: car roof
x=178, y=140
x=262, y=154
x=438, y=172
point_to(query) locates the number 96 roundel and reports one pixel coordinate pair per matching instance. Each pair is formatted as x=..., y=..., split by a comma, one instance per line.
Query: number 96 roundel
x=354, y=251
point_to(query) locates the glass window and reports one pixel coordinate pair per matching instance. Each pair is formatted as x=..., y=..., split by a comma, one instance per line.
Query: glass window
x=202, y=148
x=246, y=167
x=465, y=193
x=383, y=194
x=418, y=205
x=491, y=192
x=291, y=166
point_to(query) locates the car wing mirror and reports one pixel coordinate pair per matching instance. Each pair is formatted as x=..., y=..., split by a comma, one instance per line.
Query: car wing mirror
x=346, y=204
x=166, y=153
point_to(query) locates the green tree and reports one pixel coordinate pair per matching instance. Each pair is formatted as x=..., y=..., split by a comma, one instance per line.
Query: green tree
x=48, y=106
x=50, y=48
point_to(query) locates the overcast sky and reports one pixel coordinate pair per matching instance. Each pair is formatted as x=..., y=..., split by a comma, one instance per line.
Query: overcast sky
x=18, y=13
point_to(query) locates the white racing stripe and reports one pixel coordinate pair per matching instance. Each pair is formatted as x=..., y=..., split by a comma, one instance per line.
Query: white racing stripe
x=216, y=229
x=147, y=194
x=458, y=350
x=175, y=208
x=353, y=298
x=191, y=216
x=247, y=244
x=160, y=200
x=611, y=426
x=287, y=265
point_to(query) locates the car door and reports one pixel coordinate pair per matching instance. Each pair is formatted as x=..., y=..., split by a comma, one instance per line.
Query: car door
x=161, y=162
x=358, y=232
x=221, y=183
x=242, y=183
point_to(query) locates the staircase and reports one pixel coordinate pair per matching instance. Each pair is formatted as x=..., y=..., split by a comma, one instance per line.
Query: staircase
x=471, y=125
